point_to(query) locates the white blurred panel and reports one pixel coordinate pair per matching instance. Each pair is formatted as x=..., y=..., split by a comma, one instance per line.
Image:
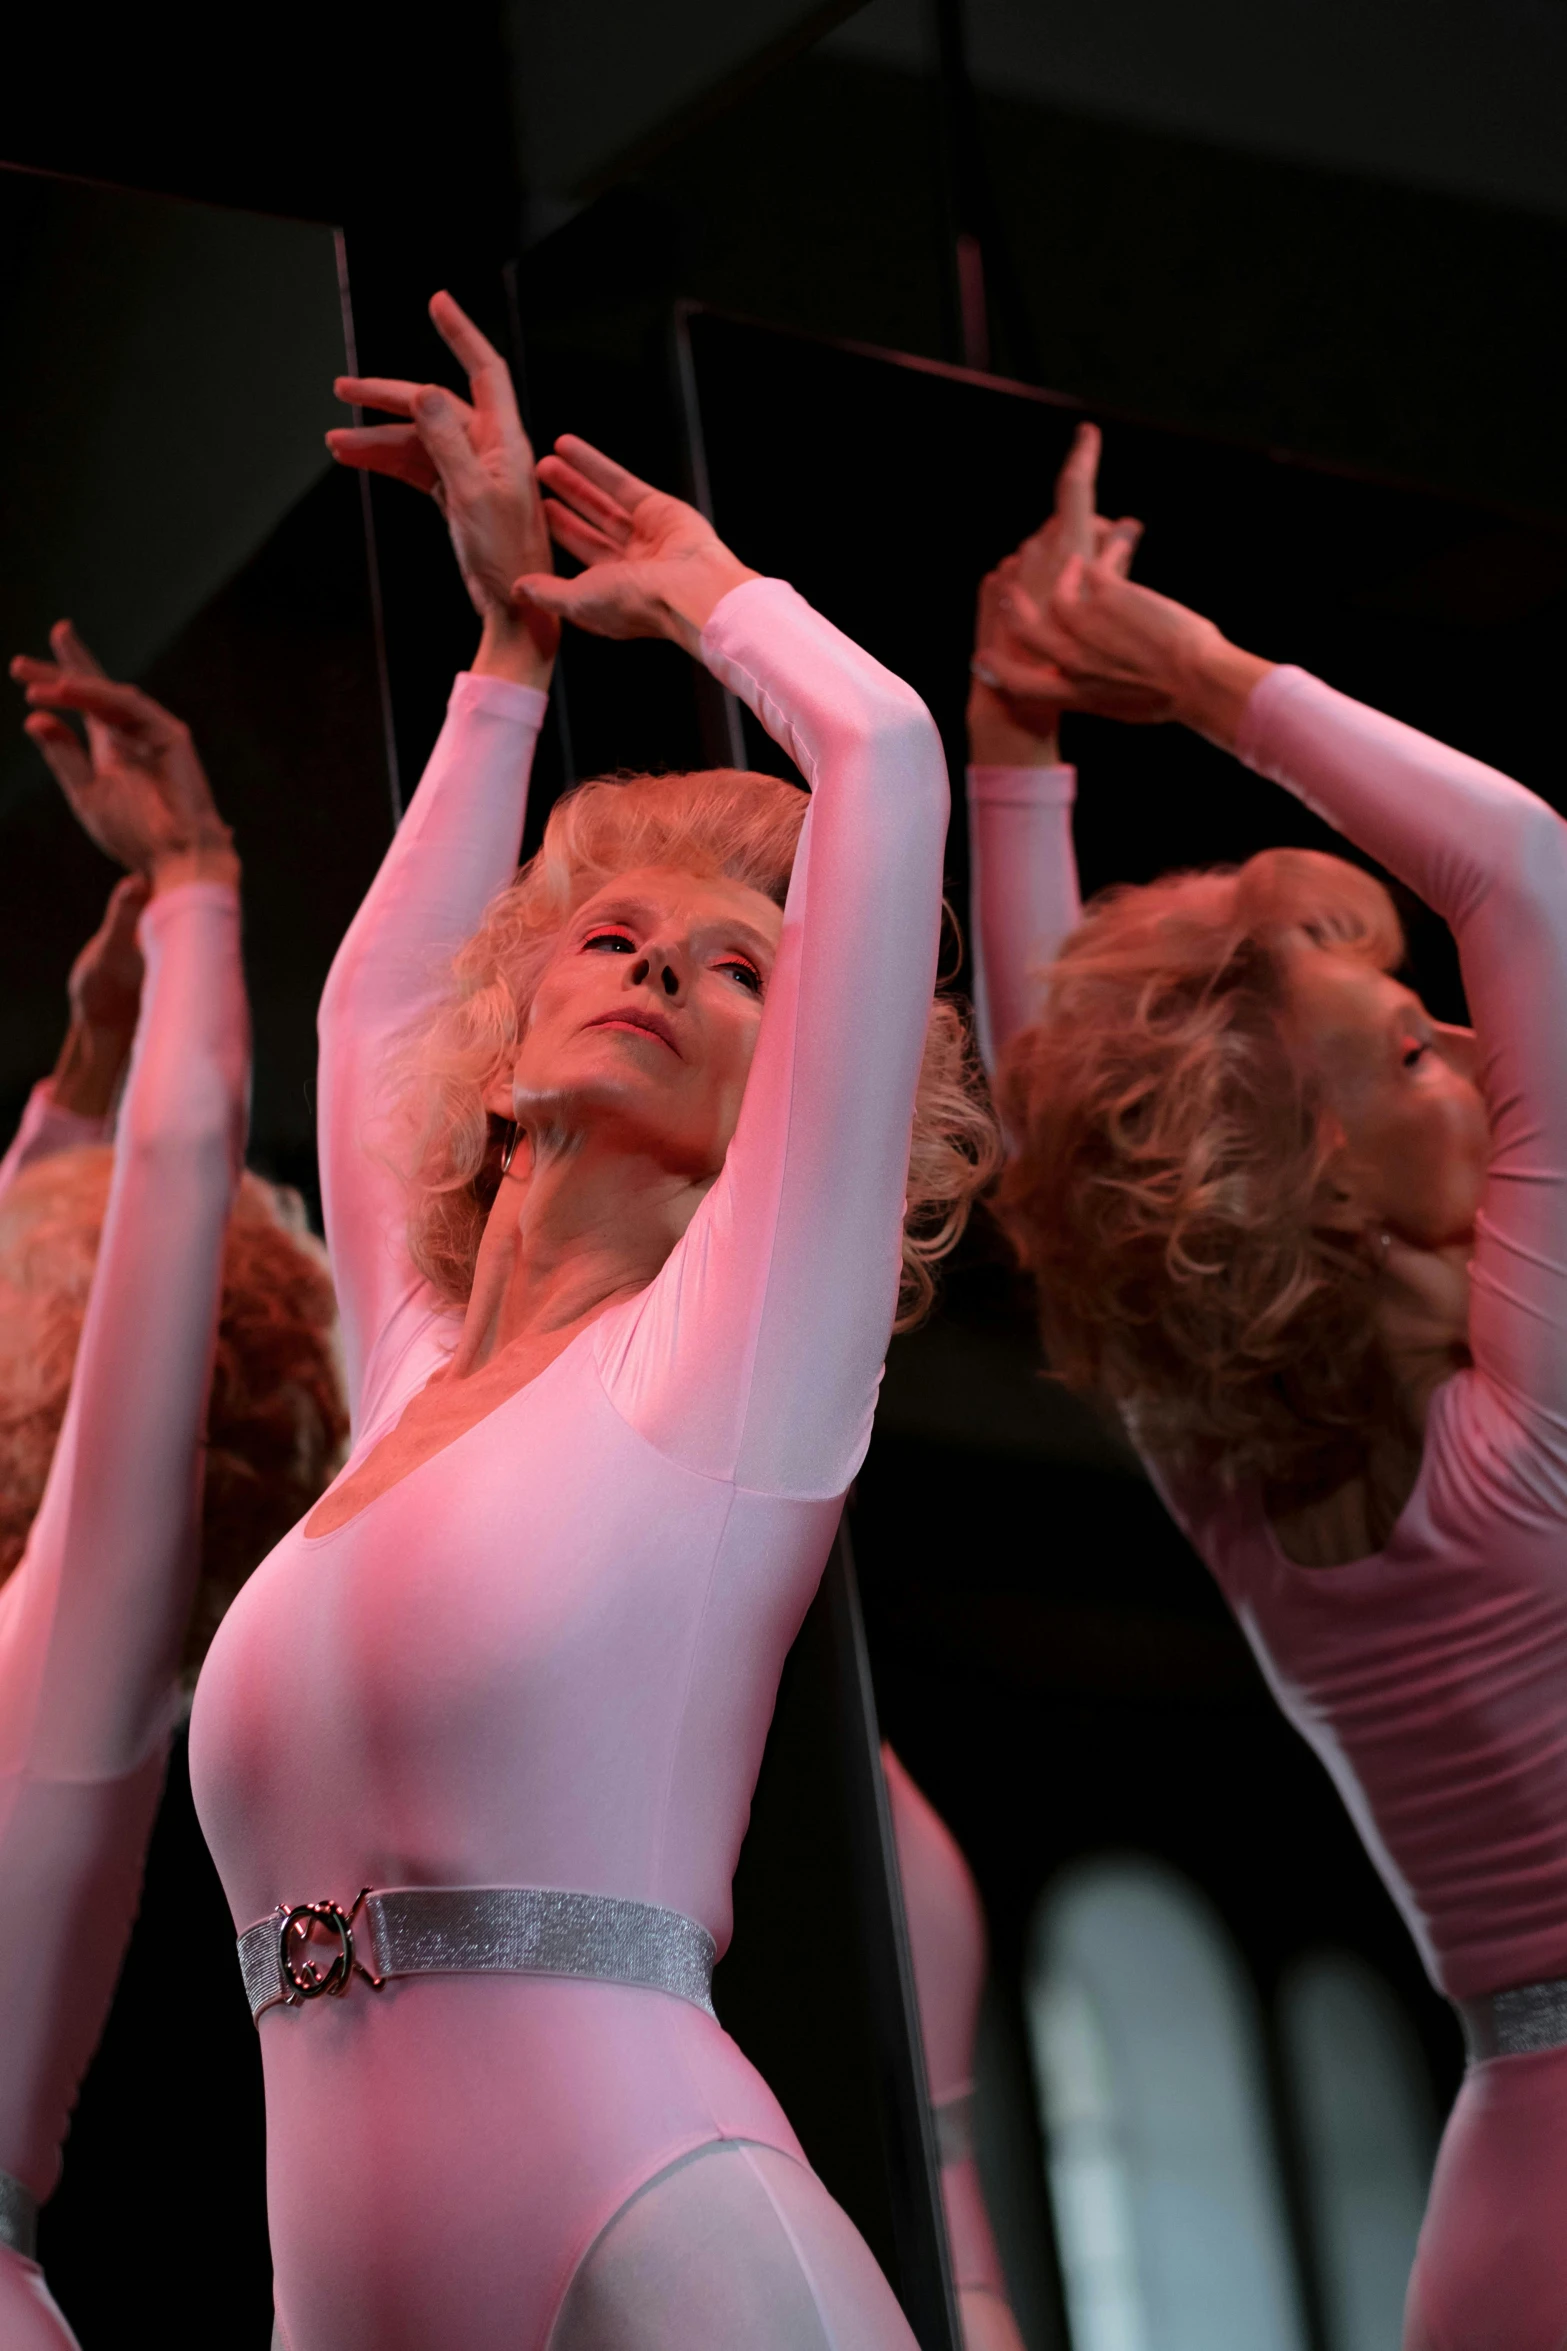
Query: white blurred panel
x=1367, y=2133
x=1164, y=2175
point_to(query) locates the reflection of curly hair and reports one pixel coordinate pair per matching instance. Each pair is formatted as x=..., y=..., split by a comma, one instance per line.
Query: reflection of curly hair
x=1166, y=1184
x=276, y=1420
x=722, y=821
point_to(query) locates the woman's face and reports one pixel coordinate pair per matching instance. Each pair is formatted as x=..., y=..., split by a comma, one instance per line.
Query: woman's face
x=646, y=1017
x=1403, y=1088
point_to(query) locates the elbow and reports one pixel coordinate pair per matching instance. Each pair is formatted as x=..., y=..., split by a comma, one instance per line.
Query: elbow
x=902, y=744
x=1536, y=863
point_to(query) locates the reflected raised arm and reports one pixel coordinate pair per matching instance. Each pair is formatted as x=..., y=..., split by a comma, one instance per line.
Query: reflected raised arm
x=1015, y=701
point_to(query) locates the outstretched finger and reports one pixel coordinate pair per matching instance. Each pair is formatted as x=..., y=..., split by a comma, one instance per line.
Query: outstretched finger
x=1077, y=486
x=579, y=538
x=575, y=490
x=489, y=378
x=393, y=395
x=126, y=707
x=606, y=476
x=1019, y=681
x=71, y=653
x=393, y=449
x=68, y=763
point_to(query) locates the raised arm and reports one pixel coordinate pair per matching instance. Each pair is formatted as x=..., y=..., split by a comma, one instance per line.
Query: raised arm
x=93, y=1620
x=75, y=1105
x=460, y=840
x=776, y=1308
x=1485, y=854
x=1023, y=895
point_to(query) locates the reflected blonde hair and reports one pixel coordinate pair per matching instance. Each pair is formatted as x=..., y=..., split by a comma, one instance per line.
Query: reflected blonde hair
x=720, y=822
x=1166, y=1185
x=276, y=1420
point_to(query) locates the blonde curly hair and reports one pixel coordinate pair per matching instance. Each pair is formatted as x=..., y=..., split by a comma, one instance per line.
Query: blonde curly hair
x=276, y=1420
x=1165, y=1187
x=720, y=821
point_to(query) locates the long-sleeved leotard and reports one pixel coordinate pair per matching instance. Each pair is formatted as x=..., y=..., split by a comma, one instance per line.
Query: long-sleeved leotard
x=93, y=1621
x=549, y=1655
x=46, y=1129
x=1431, y=1678
x=948, y=1943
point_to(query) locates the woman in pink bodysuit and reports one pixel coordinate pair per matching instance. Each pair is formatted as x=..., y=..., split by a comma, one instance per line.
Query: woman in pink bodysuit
x=613, y=1352
x=947, y=1941
x=93, y=1618
x=1314, y=1244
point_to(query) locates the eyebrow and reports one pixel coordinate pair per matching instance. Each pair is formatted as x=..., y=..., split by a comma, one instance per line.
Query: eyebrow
x=638, y=910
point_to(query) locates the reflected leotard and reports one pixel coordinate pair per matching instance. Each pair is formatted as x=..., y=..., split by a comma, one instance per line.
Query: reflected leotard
x=548, y=1656
x=93, y=1621
x=1431, y=1678
x=948, y=1944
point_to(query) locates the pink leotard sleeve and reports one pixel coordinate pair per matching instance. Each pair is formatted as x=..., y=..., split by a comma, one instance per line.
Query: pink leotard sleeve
x=1491, y=860
x=93, y=1619
x=755, y=1356
x=947, y=1942
x=457, y=845
x=1022, y=889
x=44, y=1129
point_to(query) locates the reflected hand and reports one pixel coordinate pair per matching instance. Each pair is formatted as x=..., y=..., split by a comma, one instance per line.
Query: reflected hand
x=138, y=788
x=1015, y=699
x=473, y=458
x=105, y=983
x=655, y=567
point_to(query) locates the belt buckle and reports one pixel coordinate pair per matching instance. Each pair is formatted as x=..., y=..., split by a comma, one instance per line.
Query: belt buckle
x=301, y=1979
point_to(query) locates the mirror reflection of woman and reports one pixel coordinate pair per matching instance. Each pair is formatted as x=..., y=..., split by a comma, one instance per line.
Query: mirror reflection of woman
x=1313, y=1243
x=103, y=1551
x=615, y=1156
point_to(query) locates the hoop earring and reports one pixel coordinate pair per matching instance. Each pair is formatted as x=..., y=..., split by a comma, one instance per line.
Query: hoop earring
x=510, y=1152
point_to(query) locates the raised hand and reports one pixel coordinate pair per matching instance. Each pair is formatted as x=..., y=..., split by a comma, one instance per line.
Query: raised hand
x=105, y=997
x=1017, y=697
x=474, y=459
x=1125, y=652
x=105, y=983
x=655, y=567
x=138, y=788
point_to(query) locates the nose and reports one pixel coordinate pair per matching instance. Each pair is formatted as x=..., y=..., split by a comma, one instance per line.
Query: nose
x=656, y=968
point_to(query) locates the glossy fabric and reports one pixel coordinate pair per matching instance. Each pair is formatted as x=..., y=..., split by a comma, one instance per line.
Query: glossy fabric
x=949, y=1947
x=549, y=1656
x=1490, y=2272
x=93, y=1620
x=1431, y=1678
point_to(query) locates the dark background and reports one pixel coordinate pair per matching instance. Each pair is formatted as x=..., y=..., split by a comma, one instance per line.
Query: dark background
x=1303, y=234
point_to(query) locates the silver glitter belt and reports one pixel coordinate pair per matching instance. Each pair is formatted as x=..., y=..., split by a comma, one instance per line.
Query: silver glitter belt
x=315, y=1949
x=1516, y=2023
x=18, y=2217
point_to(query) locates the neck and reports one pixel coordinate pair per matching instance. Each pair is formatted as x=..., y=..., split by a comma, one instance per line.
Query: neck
x=575, y=1226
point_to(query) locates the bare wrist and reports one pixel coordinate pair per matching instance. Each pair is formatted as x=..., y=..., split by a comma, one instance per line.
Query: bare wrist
x=197, y=861
x=997, y=740
x=1217, y=681
x=695, y=593
x=517, y=645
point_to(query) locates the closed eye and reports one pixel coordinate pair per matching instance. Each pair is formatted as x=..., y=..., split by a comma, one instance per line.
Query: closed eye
x=743, y=970
x=609, y=942
x=1413, y=1055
